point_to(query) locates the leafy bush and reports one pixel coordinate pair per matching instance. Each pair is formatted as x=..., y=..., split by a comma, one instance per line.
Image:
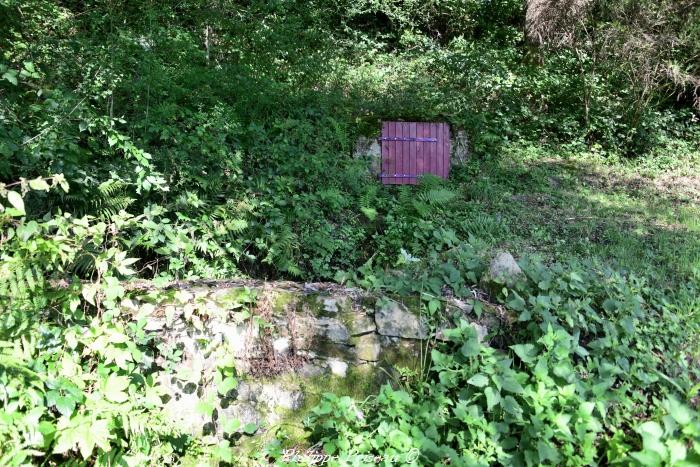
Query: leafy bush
x=214, y=140
x=597, y=367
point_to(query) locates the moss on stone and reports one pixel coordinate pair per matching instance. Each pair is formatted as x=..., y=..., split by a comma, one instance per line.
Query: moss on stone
x=282, y=301
x=367, y=302
x=313, y=304
x=357, y=322
x=367, y=347
x=157, y=297
x=230, y=298
x=405, y=353
x=326, y=348
x=359, y=383
x=412, y=303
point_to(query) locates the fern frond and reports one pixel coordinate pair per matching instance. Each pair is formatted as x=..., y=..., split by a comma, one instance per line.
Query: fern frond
x=237, y=225
x=101, y=201
x=19, y=280
x=437, y=196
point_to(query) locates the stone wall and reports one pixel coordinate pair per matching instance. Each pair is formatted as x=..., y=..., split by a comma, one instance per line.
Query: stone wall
x=284, y=340
x=369, y=148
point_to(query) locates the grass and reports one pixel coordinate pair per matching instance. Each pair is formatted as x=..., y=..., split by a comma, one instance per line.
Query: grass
x=562, y=204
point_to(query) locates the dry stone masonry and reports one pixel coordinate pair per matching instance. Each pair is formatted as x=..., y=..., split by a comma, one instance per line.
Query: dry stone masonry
x=282, y=339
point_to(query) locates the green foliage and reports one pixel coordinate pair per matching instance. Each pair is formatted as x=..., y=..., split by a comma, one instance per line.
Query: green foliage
x=594, y=371
x=76, y=374
x=214, y=140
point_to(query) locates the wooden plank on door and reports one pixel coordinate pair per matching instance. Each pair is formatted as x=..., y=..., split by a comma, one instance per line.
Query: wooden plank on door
x=438, y=150
x=385, y=152
x=445, y=150
x=391, y=180
x=433, y=148
x=412, y=153
x=402, y=146
x=420, y=150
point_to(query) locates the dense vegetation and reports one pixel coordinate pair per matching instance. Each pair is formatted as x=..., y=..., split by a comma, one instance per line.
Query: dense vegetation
x=213, y=139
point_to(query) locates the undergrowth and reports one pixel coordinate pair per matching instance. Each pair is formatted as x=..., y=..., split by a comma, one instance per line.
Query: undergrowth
x=183, y=140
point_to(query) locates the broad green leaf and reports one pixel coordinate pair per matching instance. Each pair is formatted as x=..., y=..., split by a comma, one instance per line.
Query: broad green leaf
x=11, y=76
x=677, y=451
x=205, y=407
x=115, y=388
x=397, y=439
x=471, y=347
x=433, y=306
x=94, y=433
x=479, y=380
x=526, y=352
x=224, y=452
x=647, y=458
x=39, y=184
x=651, y=429
x=493, y=397
x=562, y=420
x=369, y=212
x=15, y=199
x=511, y=406
x=680, y=412
x=651, y=433
x=250, y=428
x=231, y=426
x=226, y=385
x=576, y=277
x=547, y=452
x=478, y=308
x=510, y=384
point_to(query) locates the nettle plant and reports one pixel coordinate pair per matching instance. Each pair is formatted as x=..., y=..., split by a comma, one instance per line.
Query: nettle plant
x=598, y=368
x=75, y=375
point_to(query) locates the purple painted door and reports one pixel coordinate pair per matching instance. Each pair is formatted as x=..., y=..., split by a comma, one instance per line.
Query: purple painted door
x=411, y=149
